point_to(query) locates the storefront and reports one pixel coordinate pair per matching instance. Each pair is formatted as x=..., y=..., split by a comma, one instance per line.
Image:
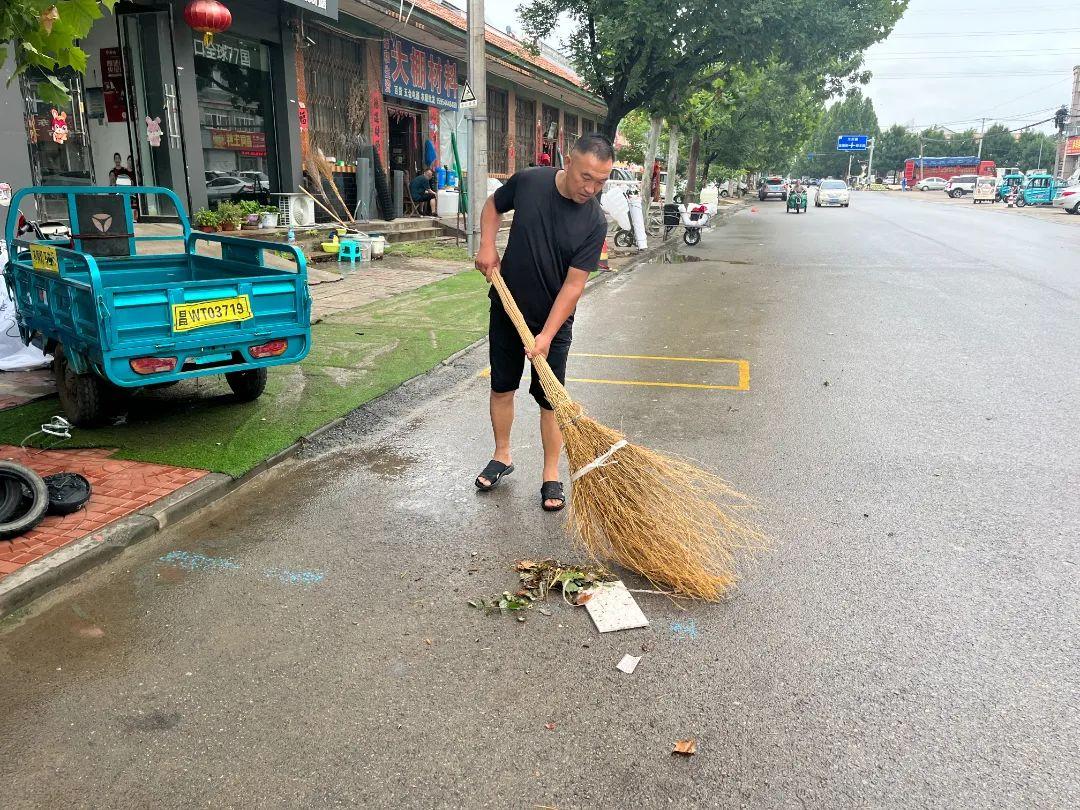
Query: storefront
x=158, y=106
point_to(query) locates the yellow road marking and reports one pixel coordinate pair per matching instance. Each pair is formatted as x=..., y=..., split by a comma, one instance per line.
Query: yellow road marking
x=743, y=384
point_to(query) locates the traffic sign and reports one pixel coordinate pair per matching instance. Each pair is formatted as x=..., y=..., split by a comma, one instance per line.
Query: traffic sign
x=852, y=143
x=468, y=99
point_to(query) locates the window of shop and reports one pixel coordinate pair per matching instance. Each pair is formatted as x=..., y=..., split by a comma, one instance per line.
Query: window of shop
x=549, y=131
x=497, y=130
x=59, y=146
x=525, y=133
x=570, y=123
x=337, y=97
x=232, y=78
x=587, y=127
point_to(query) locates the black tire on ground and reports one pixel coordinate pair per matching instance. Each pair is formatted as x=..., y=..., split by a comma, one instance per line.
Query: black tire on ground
x=691, y=236
x=247, y=385
x=33, y=487
x=724, y=192
x=1075, y=209
x=10, y=497
x=1020, y=202
x=382, y=188
x=87, y=399
x=623, y=239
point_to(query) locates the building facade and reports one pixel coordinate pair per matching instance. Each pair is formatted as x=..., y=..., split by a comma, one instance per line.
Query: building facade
x=287, y=81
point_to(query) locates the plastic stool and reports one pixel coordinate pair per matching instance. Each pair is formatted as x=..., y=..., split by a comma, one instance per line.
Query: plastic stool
x=349, y=249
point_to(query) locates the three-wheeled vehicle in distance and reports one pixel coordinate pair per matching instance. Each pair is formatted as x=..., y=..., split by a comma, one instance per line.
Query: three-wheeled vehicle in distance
x=117, y=311
x=986, y=190
x=1008, y=182
x=1038, y=189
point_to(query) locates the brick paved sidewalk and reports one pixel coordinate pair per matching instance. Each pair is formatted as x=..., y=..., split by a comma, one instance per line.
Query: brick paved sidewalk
x=120, y=488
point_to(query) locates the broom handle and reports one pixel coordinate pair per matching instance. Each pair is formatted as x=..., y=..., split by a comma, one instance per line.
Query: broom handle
x=324, y=208
x=555, y=390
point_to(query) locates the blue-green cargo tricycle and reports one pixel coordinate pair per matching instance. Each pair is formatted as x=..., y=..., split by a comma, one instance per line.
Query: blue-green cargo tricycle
x=117, y=312
x=1038, y=189
x=796, y=201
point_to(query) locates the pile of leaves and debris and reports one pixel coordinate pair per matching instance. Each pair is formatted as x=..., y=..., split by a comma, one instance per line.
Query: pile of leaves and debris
x=538, y=579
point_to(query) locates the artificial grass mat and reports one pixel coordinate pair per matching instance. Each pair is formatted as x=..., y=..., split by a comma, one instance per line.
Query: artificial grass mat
x=356, y=356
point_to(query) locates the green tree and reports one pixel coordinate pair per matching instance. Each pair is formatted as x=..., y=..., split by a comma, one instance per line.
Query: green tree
x=42, y=36
x=892, y=148
x=853, y=115
x=1035, y=150
x=1000, y=146
x=643, y=53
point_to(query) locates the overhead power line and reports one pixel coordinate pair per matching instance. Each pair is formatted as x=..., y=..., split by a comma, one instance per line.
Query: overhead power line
x=966, y=34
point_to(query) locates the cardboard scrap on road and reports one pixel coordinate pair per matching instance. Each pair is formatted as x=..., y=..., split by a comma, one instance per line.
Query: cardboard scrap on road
x=612, y=607
x=628, y=664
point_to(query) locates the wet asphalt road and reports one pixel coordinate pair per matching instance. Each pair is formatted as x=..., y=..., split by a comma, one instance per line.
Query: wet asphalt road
x=910, y=428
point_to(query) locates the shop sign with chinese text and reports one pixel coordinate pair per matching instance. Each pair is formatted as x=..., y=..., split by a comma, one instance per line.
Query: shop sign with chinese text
x=248, y=143
x=419, y=74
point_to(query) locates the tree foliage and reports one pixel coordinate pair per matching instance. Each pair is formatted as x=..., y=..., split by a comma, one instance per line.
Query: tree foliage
x=853, y=115
x=43, y=35
x=645, y=54
x=892, y=147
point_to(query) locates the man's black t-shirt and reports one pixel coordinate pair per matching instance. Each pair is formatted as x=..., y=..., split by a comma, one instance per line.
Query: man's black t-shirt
x=549, y=235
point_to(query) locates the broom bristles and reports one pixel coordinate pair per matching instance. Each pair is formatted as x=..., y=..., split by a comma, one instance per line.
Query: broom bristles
x=673, y=523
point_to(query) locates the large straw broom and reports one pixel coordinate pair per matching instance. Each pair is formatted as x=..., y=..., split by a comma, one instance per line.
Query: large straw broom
x=673, y=523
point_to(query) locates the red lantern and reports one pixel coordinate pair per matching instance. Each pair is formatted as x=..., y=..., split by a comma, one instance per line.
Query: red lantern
x=209, y=17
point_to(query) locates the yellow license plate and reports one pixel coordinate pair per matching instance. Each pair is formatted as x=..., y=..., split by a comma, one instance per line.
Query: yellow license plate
x=210, y=313
x=43, y=257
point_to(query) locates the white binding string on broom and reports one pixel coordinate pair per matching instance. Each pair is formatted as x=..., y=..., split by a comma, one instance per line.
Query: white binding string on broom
x=601, y=461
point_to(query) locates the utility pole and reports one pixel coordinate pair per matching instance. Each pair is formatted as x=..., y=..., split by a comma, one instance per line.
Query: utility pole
x=982, y=130
x=847, y=177
x=870, y=164
x=478, y=151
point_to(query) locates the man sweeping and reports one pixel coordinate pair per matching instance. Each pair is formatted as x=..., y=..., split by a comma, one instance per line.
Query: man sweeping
x=555, y=242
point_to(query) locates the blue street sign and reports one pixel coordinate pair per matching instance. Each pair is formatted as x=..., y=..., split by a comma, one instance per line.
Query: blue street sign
x=852, y=143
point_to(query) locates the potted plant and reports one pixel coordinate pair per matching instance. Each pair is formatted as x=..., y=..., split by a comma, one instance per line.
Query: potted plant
x=207, y=220
x=268, y=218
x=250, y=211
x=231, y=216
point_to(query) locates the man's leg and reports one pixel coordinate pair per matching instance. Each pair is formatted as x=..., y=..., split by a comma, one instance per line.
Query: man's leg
x=507, y=359
x=551, y=437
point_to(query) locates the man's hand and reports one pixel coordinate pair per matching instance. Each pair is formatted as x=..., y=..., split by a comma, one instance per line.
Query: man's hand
x=542, y=347
x=487, y=260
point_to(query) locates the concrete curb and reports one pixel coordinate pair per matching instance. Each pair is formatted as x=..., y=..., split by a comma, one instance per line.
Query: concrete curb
x=67, y=563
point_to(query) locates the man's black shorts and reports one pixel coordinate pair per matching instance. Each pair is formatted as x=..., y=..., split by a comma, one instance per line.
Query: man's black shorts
x=507, y=354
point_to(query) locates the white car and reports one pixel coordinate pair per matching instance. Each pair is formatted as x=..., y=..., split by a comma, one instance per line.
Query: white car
x=833, y=192
x=960, y=185
x=1069, y=199
x=931, y=184
x=622, y=179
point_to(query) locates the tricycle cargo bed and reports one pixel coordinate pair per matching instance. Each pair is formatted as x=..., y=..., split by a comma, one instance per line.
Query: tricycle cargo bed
x=143, y=319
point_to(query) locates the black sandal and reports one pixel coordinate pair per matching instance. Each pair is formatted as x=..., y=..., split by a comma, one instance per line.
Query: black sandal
x=552, y=491
x=492, y=472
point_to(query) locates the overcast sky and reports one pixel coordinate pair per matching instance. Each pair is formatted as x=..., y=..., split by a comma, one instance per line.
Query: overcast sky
x=945, y=63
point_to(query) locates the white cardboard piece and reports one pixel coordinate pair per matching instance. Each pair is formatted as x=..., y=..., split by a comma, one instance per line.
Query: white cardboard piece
x=612, y=607
x=628, y=663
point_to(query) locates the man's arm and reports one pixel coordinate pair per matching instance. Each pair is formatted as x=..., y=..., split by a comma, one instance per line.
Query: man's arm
x=565, y=304
x=487, y=257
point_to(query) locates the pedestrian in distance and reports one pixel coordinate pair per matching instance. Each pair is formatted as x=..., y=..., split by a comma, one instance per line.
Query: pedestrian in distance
x=420, y=190
x=555, y=242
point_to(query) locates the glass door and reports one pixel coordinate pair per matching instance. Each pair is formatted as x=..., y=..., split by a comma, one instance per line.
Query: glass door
x=150, y=70
x=58, y=141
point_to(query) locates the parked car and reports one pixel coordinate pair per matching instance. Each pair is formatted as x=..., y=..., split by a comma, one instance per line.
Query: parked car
x=932, y=184
x=833, y=192
x=773, y=187
x=259, y=180
x=814, y=182
x=1069, y=199
x=225, y=188
x=622, y=179
x=960, y=184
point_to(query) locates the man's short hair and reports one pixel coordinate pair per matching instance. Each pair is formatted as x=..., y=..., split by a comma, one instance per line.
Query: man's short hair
x=596, y=145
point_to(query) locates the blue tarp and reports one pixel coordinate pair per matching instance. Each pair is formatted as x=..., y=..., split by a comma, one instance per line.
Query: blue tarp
x=936, y=162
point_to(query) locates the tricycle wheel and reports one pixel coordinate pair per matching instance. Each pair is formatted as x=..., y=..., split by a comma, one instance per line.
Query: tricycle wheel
x=85, y=397
x=1020, y=202
x=623, y=239
x=247, y=385
x=692, y=236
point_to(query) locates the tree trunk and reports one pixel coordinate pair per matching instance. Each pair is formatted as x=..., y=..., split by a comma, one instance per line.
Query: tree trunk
x=691, y=194
x=705, y=172
x=650, y=158
x=672, y=161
